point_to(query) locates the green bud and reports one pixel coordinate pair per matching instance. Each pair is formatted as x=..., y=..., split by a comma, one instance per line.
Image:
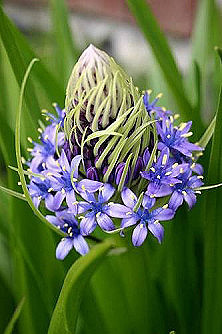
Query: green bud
x=104, y=110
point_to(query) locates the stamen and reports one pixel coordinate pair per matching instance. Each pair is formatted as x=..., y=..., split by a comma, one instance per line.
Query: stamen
x=19, y=183
x=63, y=191
x=165, y=206
x=153, y=169
x=158, y=177
x=40, y=130
x=164, y=160
x=159, y=95
x=83, y=187
x=176, y=116
x=50, y=189
x=200, y=177
x=141, y=225
x=29, y=139
x=128, y=213
x=175, y=165
x=163, y=108
x=181, y=170
x=186, y=135
x=168, y=173
x=182, y=126
x=168, y=136
x=184, y=193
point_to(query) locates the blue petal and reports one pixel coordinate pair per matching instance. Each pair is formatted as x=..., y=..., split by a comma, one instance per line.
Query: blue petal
x=116, y=210
x=87, y=225
x=163, y=214
x=127, y=222
x=83, y=207
x=75, y=165
x=129, y=198
x=139, y=235
x=176, y=200
x=105, y=222
x=190, y=198
x=64, y=248
x=157, y=230
x=64, y=162
x=105, y=193
x=54, y=220
x=89, y=185
x=80, y=245
x=148, y=202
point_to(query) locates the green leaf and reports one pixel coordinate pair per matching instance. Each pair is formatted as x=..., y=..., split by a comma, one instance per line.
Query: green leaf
x=65, y=314
x=212, y=301
x=14, y=318
x=204, y=140
x=20, y=54
x=162, y=53
x=66, y=52
x=18, y=154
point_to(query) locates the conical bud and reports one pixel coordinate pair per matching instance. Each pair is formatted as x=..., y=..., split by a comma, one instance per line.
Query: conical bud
x=101, y=96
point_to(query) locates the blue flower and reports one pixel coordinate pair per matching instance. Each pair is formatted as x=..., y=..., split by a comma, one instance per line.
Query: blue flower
x=65, y=180
x=40, y=189
x=185, y=190
x=176, y=138
x=145, y=219
x=162, y=175
x=56, y=119
x=68, y=224
x=99, y=211
x=43, y=153
x=152, y=108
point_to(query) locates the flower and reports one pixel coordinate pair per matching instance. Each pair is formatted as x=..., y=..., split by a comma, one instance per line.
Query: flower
x=65, y=180
x=145, y=219
x=176, y=138
x=55, y=119
x=99, y=211
x=40, y=189
x=43, y=153
x=68, y=224
x=152, y=108
x=162, y=175
x=185, y=190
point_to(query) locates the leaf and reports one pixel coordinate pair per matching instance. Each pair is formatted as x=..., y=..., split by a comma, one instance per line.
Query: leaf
x=162, y=53
x=20, y=54
x=15, y=317
x=18, y=154
x=204, y=140
x=65, y=314
x=212, y=299
x=66, y=52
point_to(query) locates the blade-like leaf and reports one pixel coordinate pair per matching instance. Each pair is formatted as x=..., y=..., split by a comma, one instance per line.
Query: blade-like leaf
x=162, y=53
x=204, y=140
x=66, y=52
x=14, y=318
x=65, y=315
x=212, y=301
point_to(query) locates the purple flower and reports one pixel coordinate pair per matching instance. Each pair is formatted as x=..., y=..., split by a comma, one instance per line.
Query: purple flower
x=162, y=175
x=145, y=219
x=43, y=153
x=68, y=224
x=176, y=138
x=56, y=119
x=152, y=108
x=185, y=190
x=40, y=189
x=65, y=180
x=99, y=211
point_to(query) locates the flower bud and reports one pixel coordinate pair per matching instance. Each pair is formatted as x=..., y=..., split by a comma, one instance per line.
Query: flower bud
x=98, y=90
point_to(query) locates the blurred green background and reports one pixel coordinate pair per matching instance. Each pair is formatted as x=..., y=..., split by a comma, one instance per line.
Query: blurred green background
x=154, y=289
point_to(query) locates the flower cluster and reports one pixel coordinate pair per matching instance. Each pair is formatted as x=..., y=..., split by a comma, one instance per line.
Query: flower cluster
x=111, y=181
